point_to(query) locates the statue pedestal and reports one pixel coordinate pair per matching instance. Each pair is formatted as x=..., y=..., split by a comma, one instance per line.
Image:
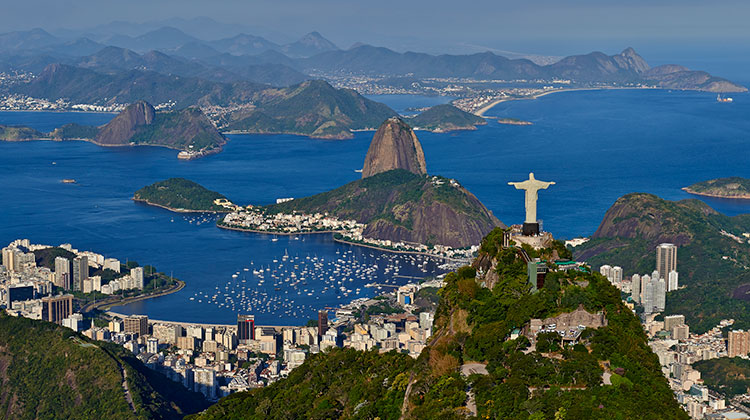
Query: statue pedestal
x=530, y=229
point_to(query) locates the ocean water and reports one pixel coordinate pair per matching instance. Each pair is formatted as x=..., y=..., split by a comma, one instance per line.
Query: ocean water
x=596, y=146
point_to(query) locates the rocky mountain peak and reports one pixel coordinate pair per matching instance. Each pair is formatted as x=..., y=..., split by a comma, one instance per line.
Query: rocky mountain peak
x=630, y=59
x=122, y=128
x=394, y=146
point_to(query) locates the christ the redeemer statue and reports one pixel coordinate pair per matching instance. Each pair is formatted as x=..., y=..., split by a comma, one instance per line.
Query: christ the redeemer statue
x=532, y=186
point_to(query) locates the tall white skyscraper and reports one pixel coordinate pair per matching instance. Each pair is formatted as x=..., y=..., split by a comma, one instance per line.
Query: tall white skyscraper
x=137, y=275
x=666, y=259
x=649, y=292
x=635, y=288
x=605, y=270
x=660, y=294
x=616, y=275
x=673, y=281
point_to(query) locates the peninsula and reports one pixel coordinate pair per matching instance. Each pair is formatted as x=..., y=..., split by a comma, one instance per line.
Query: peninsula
x=395, y=206
x=445, y=117
x=187, y=130
x=732, y=187
x=183, y=196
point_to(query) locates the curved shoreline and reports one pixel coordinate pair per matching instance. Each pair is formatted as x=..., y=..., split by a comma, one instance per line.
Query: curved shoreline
x=106, y=304
x=489, y=106
x=139, y=200
x=728, y=197
x=262, y=232
x=395, y=251
x=265, y=232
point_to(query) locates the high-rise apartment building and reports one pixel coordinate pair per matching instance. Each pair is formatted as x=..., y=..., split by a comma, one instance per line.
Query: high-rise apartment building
x=322, y=322
x=616, y=274
x=136, y=324
x=635, y=288
x=137, y=275
x=80, y=271
x=245, y=328
x=739, y=343
x=152, y=345
x=666, y=259
x=660, y=294
x=62, y=273
x=57, y=308
x=673, y=281
x=8, y=258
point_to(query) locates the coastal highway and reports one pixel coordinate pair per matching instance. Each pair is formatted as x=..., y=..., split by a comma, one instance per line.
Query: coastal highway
x=116, y=301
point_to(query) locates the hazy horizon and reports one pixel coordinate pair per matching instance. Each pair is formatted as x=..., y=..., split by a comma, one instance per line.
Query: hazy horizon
x=702, y=36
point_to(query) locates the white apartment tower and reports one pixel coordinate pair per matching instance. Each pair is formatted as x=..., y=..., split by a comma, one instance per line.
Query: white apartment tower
x=666, y=259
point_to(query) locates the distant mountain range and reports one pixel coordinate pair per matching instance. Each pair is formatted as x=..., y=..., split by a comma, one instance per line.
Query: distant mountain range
x=170, y=51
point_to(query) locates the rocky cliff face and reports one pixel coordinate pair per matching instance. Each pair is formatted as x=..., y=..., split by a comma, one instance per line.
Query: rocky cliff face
x=431, y=220
x=124, y=126
x=400, y=206
x=187, y=129
x=394, y=146
x=637, y=223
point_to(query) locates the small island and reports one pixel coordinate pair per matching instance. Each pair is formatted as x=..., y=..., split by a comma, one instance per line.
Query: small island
x=732, y=187
x=513, y=121
x=445, y=117
x=183, y=196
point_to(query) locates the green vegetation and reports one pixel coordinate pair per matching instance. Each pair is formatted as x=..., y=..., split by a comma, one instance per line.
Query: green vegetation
x=732, y=187
x=726, y=376
x=446, y=117
x=19, y=133
x=46, y=257
x=400, y=205
x=342, y=383
x=473, y=325
x=186, y=129
x=180, y=194
x=75, y=132
x=313, y=108
x=51, y=372
x=711, y=264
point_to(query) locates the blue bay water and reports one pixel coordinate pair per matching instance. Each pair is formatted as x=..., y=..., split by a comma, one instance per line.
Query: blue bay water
x=596, y=145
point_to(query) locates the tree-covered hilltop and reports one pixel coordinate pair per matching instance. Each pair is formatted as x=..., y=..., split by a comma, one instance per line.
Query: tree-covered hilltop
x=610, y=373
x=340, y=384
x=446, y=117
x=313, y=108
x=20, y=133
x=732, y=187
x=728, y=376
x=712, y=254
x=180, y=194
x=473, y=324
x=51, y=372
x=75, y=131
x=398, y=205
